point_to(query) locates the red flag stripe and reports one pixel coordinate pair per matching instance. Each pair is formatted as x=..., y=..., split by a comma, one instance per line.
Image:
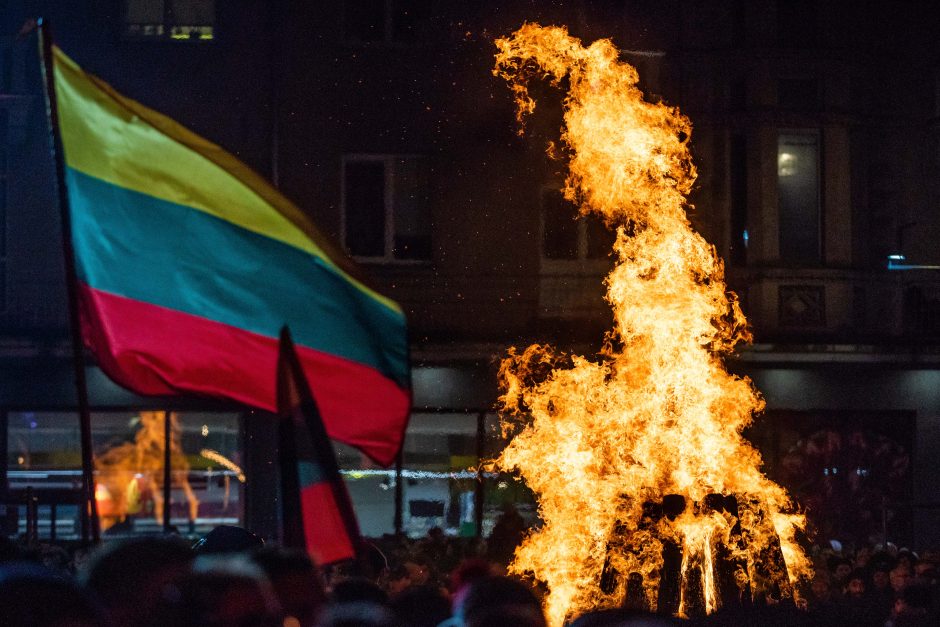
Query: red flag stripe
x=365, y=406
x=325, y=533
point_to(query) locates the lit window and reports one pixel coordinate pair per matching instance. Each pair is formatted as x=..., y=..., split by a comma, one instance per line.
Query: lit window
x=798, y=194
x=181, y=20
x=386, y=216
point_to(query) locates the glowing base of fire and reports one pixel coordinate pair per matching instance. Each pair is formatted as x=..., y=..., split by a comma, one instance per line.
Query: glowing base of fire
x=705, y=561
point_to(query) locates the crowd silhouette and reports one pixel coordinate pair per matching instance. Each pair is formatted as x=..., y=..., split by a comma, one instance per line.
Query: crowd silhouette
x=232, y=578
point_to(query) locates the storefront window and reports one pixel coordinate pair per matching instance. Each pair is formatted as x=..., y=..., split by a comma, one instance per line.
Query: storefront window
x=440, y=453
x=44, y=454
x=439, y=485
x=439, y=480
x=371, y=489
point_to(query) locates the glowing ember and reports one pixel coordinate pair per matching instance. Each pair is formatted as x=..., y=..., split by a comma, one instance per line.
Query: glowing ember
x=645, y=485
x=130, y=475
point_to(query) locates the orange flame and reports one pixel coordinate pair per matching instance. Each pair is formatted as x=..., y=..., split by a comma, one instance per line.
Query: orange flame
x=130, y=475
x=658, y=415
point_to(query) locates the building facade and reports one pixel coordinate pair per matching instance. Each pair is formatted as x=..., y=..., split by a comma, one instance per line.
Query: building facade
x=814, y=131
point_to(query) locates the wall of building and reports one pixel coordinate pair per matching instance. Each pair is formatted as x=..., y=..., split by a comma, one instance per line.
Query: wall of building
x=294, y=90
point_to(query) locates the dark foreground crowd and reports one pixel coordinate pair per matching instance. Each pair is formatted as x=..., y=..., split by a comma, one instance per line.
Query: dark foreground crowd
x=229, y=578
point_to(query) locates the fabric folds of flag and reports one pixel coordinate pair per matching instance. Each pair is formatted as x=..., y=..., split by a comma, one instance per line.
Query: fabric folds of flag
x=189, y=264
x=318, y=513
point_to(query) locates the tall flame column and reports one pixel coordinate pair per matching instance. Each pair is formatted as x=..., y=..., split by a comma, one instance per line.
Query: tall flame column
x=657, y=418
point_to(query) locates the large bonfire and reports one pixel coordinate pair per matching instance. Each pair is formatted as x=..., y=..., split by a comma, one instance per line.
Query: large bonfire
x=646, y=488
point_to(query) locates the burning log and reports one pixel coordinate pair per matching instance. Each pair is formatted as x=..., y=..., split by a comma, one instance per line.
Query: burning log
x=731, y=573
x=670, y=580
x=767, y=566
x=691, y=579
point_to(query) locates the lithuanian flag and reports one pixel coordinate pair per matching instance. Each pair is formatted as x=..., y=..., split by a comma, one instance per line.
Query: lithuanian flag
x=189, y=264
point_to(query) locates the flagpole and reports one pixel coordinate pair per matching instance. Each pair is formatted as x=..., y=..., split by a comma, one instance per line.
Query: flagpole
x=89, y=517
x=292, y=532
x=328, y=459
x=320, y=442
x=167, y=470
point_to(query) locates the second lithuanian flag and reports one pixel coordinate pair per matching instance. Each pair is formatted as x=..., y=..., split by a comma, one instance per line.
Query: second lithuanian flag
x=189, y=264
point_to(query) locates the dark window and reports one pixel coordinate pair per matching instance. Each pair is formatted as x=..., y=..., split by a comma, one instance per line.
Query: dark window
x=560, y=233
x=566, y=236
x=738, y=171
x=387, y=213
x=412, y=235
x=182, y=20
x=863, y=253
x=365, y=208
x=799, y=198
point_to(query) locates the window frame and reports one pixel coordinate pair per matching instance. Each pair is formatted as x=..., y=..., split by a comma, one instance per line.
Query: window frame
x=389, y=172
x=582, y=264
x=59, y=483
x=816, y=133
x=167, y=24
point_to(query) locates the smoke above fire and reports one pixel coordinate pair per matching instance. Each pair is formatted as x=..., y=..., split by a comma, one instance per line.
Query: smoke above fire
x=638, y=455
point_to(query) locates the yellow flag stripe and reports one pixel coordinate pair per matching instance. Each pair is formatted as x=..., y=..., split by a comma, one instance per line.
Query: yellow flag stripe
x=113, y=138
